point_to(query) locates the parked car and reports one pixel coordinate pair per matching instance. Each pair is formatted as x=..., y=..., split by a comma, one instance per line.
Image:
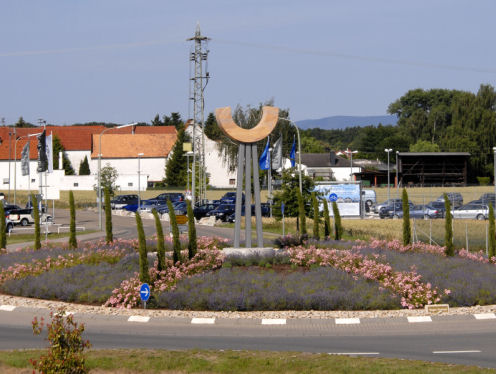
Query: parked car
x=9, y=225
x=222, y=211
x=369, y=197
x=439, y=206
x=201, y=211
x=172, y=196
x=488, y=198
x=118, y=202
x=25, y=217
x=180, y=208
x=389, y=202
x=420, y=211
x=455, y=198
x=393, y=210
x=230, y=198
x=472, y=210
x=265, y=210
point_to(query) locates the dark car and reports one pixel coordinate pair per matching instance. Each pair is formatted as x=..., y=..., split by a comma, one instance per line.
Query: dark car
x=420, y=211
x=180, y=208
x=120, y=201
x=455, y=198
x=265, y=210
x=488, y=198
x=393, y=210
x=230, y=198
x=201, y=211
x=439, y=207
x=163, y=197
x=222, y=211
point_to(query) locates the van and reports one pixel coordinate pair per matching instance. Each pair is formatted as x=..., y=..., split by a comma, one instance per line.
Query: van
x=369, y=197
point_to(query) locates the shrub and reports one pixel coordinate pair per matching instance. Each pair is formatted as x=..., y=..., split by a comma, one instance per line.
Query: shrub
x=338, y=228
x=287, y=241
x=3, y=234
x=160, y=241
x=407, y=231
x=72, y=236
x=483, y=181
x=66, y=352
x=327, y=220
x=36, y=217
x=492, y=237
x=144, y=275
x=108, y=217
x=316, y=217
x=176, y=244
x=192, y=244
x=448, y=229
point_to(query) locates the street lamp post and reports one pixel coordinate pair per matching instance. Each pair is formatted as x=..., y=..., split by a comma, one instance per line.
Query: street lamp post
x=387, y=150
x=139, y=181
x=99, y=192
x=15, y=161
x=189, y=153
x=351, y=162
x=299, y=151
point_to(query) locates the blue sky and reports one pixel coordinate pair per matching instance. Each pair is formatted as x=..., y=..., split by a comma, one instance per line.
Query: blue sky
x=121, y=60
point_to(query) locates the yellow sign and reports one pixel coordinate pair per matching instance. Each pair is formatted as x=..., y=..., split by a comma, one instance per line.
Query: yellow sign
x=187, y=147
x=181, y=220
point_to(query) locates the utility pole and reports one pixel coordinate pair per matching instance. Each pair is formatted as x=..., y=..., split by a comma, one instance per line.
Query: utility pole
x=198, y=82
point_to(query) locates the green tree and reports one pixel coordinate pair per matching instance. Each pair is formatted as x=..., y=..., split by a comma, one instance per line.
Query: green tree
x=316, y=217
x=407, y=232
x=108, y=218
x=72, y=225
x=492, y=233
x=338, y=228
x=174, y=120
x=288, y=193
x=212, y=130
x=36, y=218
x=175, y=168
x=66, y=163
x=424, y=146
x=22, y=123
x=176, y=244
x=156, y=121
x=448, y=229
x=160, y=241
x=108, y=177
x=3, y=228
x=327, y=220
x=144, y=274
x=84, y=167
x=192, y=243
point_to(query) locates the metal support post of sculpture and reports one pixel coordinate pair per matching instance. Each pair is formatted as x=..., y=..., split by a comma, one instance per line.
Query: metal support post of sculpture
x=247, y=159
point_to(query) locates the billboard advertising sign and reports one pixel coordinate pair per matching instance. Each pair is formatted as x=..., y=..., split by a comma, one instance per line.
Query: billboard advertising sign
x=346, y=196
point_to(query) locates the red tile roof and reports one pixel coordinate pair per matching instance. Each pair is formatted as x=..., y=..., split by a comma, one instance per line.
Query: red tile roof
x=73, y=138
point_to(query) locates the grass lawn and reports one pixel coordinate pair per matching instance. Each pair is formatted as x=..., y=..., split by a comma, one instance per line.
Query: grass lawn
x=199, y=361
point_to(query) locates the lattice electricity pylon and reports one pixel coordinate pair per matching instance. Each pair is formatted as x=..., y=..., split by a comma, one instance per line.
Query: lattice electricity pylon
x=247, y=158
x=197, y=85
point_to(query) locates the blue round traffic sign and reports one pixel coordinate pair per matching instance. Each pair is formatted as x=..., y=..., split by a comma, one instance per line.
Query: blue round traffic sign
x=145, y=292
x=333, y=197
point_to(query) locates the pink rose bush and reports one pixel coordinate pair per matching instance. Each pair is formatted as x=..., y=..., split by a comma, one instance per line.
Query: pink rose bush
x=208, y=257
x=414, y=293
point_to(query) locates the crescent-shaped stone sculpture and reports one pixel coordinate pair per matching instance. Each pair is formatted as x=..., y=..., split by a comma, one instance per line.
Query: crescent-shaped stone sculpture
x=269, y=119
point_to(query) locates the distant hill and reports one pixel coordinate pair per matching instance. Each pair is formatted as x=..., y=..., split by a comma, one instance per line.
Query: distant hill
x=341, y=122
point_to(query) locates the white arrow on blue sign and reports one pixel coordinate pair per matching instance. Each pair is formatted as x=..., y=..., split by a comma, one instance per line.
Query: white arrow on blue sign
x=333, y=197
x=145, y=292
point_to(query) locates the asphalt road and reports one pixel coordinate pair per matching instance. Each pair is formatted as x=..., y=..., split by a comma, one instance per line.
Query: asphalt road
x=452, y=339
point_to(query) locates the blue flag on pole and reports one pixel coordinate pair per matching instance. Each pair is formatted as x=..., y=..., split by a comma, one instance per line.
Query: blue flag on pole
x=292, y=154
x=265, y=158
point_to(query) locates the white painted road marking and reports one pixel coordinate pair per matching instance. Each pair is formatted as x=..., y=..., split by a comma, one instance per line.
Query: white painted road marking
x=485, y=316
x=138, y=319
x=7, y=308
x=353, y=353
x=347, y=321
x=455, y=352
x=274, y=321
x=419, y=319
x=201, y=321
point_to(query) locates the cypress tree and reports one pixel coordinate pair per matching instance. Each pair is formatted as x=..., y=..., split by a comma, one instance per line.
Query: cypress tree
x=176, y=244
x=175, y=169
x=36, y=217
x=316, y=217
x=160, y=241
x=407, y=232
x=3, y=227
x=338, y=228
x=192, y=244
x=108, y=218
x=492, y=237
x=301, y=216
x=448, y=229
x=84, y=167
x=327, y=220
x=72, y=228
x=144, y=274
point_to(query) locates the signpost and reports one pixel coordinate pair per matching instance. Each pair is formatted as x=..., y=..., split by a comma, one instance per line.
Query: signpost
x=182, y=223
x=145, y=293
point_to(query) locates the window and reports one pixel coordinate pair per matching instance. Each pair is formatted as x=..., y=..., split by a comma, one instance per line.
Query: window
x=5, y=180
x=33, y=180
x=232, y=181
x=76, y=184
x=130, y=184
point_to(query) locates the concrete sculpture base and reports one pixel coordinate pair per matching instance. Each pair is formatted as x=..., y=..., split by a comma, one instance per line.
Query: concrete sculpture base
x=244, y=252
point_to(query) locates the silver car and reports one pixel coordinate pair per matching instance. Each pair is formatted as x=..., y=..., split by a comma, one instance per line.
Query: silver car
x=472, y=211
